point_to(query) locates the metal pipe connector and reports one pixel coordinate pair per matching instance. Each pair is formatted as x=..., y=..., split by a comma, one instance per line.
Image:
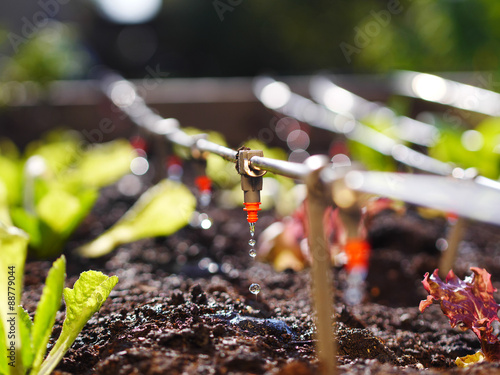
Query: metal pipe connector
x=251, y=182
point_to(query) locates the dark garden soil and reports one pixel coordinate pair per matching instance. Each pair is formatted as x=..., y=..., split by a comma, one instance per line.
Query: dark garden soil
x=182, y=304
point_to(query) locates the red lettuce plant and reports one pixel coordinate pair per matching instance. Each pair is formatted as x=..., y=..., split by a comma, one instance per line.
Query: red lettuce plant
x=469, y=304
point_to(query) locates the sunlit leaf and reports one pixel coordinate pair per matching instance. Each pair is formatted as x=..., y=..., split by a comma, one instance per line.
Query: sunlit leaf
x=87, y=296
x=102, y=164
x=13, y=245
x=160, y=211
x=46, y=311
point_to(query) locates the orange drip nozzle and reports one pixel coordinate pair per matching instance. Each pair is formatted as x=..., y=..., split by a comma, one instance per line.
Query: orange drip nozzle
x=358, y=253
x=252, y=209
x=203, y=183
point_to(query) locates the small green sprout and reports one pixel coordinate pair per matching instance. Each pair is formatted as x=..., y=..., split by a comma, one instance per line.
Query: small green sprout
x=25, y=341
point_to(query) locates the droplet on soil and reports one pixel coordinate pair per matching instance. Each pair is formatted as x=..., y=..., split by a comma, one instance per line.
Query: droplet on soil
x=251, y=242
x=252, y=252
x=254, y=289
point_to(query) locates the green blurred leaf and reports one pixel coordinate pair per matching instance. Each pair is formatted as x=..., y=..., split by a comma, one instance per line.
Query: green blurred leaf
x=13, y=243
x=160, y=211
x=52, y=52
x=4, y=205
x=370, y=158
x=25, y=330
x=29, y=223
x=11, y=175
x=101, y=165
x=450, y=148
x=58, y=210
x=46, y=311
x=59, y=148
x=57, y=215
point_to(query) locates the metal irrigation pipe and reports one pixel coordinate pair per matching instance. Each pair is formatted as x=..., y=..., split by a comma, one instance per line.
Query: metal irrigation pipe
x=277, y=96
x=327, y=185
x=340, y=100
x=424, y=86
x=124, y=95
x=446, y=92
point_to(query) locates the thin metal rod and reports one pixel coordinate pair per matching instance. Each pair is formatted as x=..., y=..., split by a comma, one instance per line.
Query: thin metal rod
x=225, y=152
x=447, y=92
x=297, y=171
x=340, y=100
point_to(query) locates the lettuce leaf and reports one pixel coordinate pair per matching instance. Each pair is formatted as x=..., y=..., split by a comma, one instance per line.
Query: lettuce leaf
x=25, y=329
x=469, y=304
x=160, y=211
x=13, y=244
x=46, y=311
x=87, y=296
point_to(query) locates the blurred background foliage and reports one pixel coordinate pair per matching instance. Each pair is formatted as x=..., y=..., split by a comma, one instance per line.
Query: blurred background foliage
x=194, y=38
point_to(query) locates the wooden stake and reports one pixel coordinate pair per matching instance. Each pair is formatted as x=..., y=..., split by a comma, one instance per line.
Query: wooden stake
x=322, y=286
x=454, y=238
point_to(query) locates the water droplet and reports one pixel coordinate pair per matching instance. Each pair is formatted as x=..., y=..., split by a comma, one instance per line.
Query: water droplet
x=252, y=252
x=252, y=229
x=254, y=289
x=251, y=242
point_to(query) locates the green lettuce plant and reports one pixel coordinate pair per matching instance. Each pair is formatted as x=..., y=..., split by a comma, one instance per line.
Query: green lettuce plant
x=484, y=156
x=53, y=187
x=160, y=211
x=369, y=157
x=25, y=340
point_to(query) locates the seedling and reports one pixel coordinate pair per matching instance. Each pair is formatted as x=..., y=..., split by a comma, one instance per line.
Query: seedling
x=59, y=181
x=469, y=304
x=160, y=211
x=25, y=341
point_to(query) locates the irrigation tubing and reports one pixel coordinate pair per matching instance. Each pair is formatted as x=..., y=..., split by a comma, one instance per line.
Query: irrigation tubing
x=321, y=117
x=124, y=95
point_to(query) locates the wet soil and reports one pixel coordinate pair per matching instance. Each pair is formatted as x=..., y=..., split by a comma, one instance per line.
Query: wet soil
x=182, y=305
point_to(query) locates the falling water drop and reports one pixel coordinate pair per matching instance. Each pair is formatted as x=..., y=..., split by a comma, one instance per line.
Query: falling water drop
x=252, y=229
x=252, y=252
x=251, y=242
x=254, y=289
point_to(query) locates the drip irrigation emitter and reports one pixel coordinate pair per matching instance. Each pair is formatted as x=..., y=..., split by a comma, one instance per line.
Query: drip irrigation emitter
x=416, y=85
x=251, y=182
x=357, y=248
x=343, y=121
x=320, y=177
x=203, y=185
